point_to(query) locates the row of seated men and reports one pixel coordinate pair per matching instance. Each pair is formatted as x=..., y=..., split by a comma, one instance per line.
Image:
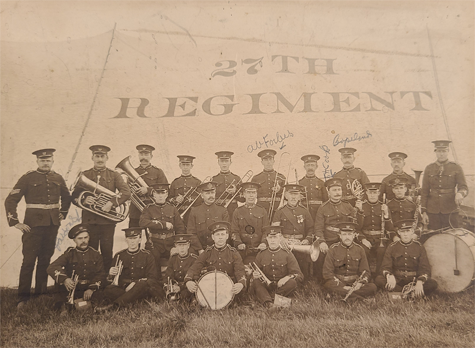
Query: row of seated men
x=79, y=272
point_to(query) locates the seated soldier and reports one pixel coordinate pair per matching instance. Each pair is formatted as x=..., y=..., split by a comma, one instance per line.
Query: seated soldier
x=279, y=266
x=134, y=275
x=220, y=256
x=83, y=262
x=247, y=224
x=346, y=266
x=163, y=221
x=178, y=265
x=404, y=261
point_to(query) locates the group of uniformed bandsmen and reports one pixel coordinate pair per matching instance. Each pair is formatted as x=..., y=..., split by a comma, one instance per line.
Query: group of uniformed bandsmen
x=350, y=221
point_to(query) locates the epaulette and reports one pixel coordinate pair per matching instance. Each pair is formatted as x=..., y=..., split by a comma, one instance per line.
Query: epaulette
x=145, y=251
x=359, y=169
x=325, y=203
x=176, y=179
x=417, y=242
x=29, y=172
x=69, y=249
x=338, y=172
x=231, y=248
x=94, y=249
x=209, y=247
x=335, y=245
x=194, y=255
x=394, y=243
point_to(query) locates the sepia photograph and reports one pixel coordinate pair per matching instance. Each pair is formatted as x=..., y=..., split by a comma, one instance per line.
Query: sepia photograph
x=237, y=174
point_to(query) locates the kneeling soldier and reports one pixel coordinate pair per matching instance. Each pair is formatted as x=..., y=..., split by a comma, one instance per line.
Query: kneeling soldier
x=404, y=261
x=278, y=266
x=83, y=263
x=134, y=275
x=346, y=266
x=221, y=257
x=178, y=265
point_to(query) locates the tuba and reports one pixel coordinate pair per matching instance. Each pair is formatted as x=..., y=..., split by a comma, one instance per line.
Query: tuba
x=101, y=196
x=307, y=249
x=135, y=182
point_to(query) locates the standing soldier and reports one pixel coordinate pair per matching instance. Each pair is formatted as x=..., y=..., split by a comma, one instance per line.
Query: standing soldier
x=43, y=189
x=203, y=216
x=184, y=185
x=316, y=193
x=133, y=276
x=226, y=182
x=401, y=208
x=151, y=175
x=101, y=229
x=82, y=262
x=296, y=223
x=279, y=266
x=328, y=215
x=349, y=174
x=397, y=162
x=247, y=224
x=372, y=217
x=443, y=189
x=163, y=221
x=178, y=266
x=404, y=261
x=346, y=266
x=271, y=182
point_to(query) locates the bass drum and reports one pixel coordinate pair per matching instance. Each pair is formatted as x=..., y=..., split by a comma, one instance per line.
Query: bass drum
x=215, y=290
x=452, y=258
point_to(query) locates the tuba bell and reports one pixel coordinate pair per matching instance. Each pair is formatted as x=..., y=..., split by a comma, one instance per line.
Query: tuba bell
x=101, y=196
x=307, y=249
x=135, y=182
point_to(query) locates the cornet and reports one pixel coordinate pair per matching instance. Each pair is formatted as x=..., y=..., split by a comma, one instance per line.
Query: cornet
x=116, y=277
x=409, y=290
x=75, y=279
x=171, y=295
x=262, y=276
x=101, y=196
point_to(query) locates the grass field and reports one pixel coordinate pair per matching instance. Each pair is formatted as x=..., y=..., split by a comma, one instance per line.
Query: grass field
x=446, y=320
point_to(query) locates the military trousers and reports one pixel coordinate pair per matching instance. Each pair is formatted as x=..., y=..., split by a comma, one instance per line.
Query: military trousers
x=142, y=289
x=438, y=221
x=103, y=236
x=429, y=286
x=38, y=244
x=367, y=290
x=263, y=293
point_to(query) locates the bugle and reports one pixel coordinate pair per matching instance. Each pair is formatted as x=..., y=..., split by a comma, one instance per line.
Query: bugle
x=190, y=200
x=119, y=265
x=75, y=279
x=101, y=196
x=135, y=183
x=262, y=277
x=225, y=201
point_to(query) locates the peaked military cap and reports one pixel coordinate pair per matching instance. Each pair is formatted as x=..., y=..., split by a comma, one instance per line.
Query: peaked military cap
x=75, y=230
x=404, y=224
x=272, y=230
x=207, y=186
x=133, y=231
x=395, y=155
x=310, y=158
x=100, y=149
x=44, y=153
x=441, y=143
x=267, y=153
x=372, y=185
x=185, y=158
x=224, y=154
x=160, y=187
x=346, y=226
x=347, y=150
x=293, y=188
x=219, y=226
x=145, y=148
x=250, y=186
x=333, y=182
x=397, y=181
x=182, y=238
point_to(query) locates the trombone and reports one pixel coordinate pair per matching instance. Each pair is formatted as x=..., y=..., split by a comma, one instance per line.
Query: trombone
x=75, y=279
x=274, y=188
x=190, y=198
x=224, y=199
x=118, y=264
x=304, y=193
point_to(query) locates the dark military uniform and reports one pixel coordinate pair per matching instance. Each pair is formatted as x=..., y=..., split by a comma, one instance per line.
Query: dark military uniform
x=402, y=209
x=226, y=259
x=177, y=268
x=348, y=175
x=151, y=175
x=406, y=261
x=42, y=191
x=244, y=218
x=267, y=181
x=440, y=184
x=201, y=218
x=181, y=186
x=138, y=267
x=343, y=266
x=276, y=264
x=387, y=189
x=369, y=228
x=316, y=193
x=224, y=180
x=87, y=264
x=101, y=229
x=155, y=217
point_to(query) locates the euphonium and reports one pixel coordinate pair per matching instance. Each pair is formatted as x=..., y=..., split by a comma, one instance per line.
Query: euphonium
x=116, y=277
x=135, y=182
x=101, y=196
x=409, y=290
x=75, y=279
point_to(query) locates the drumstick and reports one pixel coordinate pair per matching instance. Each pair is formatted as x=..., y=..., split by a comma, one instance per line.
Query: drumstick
x=215, y=288
x=456, y=270
x=202, y=293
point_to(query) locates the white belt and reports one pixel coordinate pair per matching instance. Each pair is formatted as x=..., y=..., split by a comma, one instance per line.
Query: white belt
x=42, y=206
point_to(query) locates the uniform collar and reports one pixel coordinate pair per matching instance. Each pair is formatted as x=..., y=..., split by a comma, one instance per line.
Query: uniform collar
x=43, y=172
x=349, y=168
x=310, y=177
x=372, y=203
x=269, y=171
x=82, y=251
x=133, y=252
x=149, y=166
x=99, y=170
x=406, y=244
x=399, y=199
x=334, y=203
x=249, y=206
x=184, y=257
x=186, y=176
x=291, y=207
x=220, y=249
x=402, y=173
x=442, y=163
x=274, y=250
x=347, y=247
x=160, y=205
x=209, y=205
x=225, y=173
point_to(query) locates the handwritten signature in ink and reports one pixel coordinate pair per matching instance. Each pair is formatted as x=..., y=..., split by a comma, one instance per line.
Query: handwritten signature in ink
x=73, y=219
x=354, y=137
x=327, y=171
x=267, y=142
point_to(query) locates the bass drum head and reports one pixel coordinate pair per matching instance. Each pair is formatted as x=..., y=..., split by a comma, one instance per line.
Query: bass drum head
x=215, y=290
x=441, y=252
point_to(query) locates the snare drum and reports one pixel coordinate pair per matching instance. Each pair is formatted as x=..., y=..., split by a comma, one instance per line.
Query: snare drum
x=215, y=290
x=452, y=258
